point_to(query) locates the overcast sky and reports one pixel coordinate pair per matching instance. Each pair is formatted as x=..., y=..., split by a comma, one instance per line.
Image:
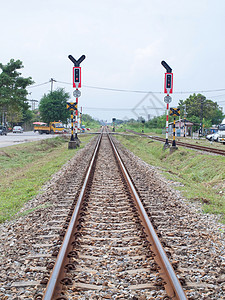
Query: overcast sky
x=124, y=42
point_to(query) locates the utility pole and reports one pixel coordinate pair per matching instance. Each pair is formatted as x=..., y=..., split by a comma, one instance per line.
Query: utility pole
x=185, y=114
x=52, y=80
x=33, y=103
x=201, y=116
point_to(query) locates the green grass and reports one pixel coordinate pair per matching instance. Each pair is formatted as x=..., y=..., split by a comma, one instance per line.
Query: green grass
x=25, y=168
x=138, y=127
x=202, y=176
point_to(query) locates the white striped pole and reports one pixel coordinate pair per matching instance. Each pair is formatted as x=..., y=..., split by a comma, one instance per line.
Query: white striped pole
x=167, y=123
x=76, y=114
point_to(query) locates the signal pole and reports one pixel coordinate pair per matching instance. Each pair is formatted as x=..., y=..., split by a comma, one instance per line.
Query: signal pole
x=174, y=112
x=167, y=126
x=168, y=89
x=74, y=141
x=113, y=119
x=143, y=126
x=81, y=118
x=185, y=114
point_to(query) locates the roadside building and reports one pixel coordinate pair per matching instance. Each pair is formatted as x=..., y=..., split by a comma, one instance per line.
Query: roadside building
x=180, y=125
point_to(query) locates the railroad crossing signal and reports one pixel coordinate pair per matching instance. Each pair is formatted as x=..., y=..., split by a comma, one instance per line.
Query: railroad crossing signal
x=77, y=70
x=76, y=77
x=168, y=87
x=71, y=106
x=76, y=93
x=175, y=112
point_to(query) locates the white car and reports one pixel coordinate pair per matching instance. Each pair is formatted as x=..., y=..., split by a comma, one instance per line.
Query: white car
x=213, y=137
x=17, y=129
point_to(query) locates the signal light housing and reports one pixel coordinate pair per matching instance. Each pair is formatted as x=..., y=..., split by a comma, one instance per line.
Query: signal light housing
x=168, y=87
x=76, y=77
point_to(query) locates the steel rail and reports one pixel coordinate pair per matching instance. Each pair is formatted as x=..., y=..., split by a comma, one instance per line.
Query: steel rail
x=177, y=290
x=55, y=275
x=187, y=145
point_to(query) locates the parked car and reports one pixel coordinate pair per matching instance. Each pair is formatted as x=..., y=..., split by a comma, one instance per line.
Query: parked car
x=213, y=137
x=18, y=129
x=3, y=130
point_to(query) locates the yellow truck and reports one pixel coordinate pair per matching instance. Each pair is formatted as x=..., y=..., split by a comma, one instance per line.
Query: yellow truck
x=52, y=127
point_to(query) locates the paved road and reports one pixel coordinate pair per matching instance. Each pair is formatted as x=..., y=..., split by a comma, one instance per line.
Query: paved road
x=18, y=138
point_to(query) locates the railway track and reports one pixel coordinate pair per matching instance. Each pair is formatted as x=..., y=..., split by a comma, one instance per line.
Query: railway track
x=111, y=254
x=110, y=245
x=187, y=145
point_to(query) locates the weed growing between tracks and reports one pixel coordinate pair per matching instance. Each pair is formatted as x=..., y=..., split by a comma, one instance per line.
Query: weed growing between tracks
x=25, y=168
x=200, y=177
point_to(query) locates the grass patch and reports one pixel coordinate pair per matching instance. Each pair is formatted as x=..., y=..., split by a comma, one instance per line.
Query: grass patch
x=202, y=176
x=25, y=168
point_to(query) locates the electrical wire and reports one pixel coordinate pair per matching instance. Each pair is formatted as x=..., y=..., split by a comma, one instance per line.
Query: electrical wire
x=33, y=86
x=218, y=96
x=121, y=109
x=131, y=91
x=144, y=92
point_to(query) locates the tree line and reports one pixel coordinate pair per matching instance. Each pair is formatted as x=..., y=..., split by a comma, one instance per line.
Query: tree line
x=14, y=106
x=196, y=108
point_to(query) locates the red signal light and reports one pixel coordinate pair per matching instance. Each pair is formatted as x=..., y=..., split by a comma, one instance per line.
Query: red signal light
x=77, y=77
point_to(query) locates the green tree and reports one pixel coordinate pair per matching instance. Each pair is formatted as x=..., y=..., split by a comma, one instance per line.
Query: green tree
x=158, y=122
x=28, y=116
x=199, y=108
x=53, y=106
x=13, y=91
x=88, y=121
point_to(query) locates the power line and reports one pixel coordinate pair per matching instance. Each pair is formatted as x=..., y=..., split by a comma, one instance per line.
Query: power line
x=218, y=96
x=33, y=86
x=120, y=90
x=206, y=91
x=119, y=109
x=145, y=92
x=133, y=91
